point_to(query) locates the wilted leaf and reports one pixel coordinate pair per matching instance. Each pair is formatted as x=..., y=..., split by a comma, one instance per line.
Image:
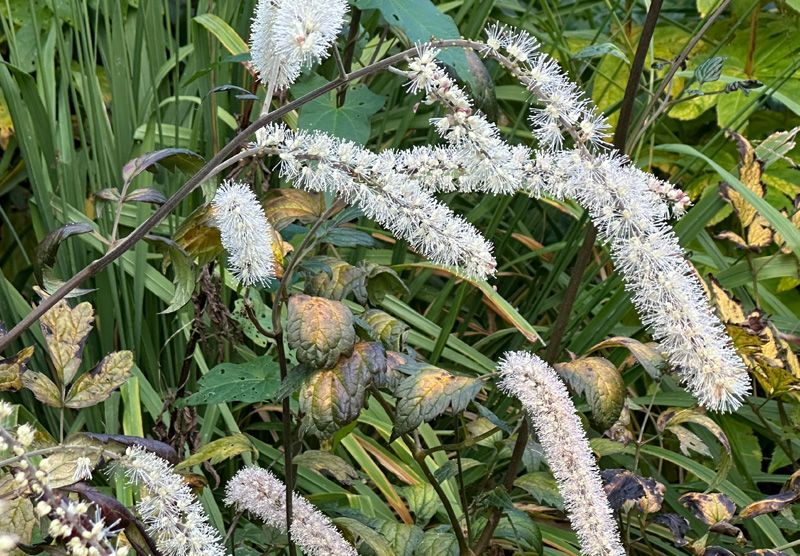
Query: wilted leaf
x=45, y=256
x=11, y=369
x=334, y=398
x=480, y=426
x=342, y=280
x=320, y=330
x=391, y=331
x=218, y=450
x=599, y=380
x=65, y=330
x=328, y=465
x=437, y=544
x=360, y=533
x=381, y=281
x=96, y=385
x=677, y=416
x=284, y=206
x=776, y=146
x=689, y=441
x=729, y=307
x=112, y=510
x=63, y=465
x=709, y=508
x=625, y=489
x=770, y=504
x=677, y=524
x=427, y=394
x=253, y=381
x=422, y=501
x=543, y=487
x=199, y=237
x=187, y=161
x=648, y=357
x=43, y=388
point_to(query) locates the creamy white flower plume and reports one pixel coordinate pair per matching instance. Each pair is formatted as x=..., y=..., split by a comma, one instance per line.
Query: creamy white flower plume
x=396, y=200
x=566, y=448
x=289, y=34
x=258, y=491
x=246, y=233
x=174, y=518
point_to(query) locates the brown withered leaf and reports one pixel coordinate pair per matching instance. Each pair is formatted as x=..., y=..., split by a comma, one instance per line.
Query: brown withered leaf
x=43, y=388
x=320, y=330
x=11, y=370
x=744, y=341
x=96, y=385
x=625, y=490
x=334, y=398
x=725, y=528
x=599, y=380
x=284, y=206
x=677, y=416
x=677, y=524
x=770, y=504
x=709, y=508
x=199, y=237
x=648, y=357
x=766, y=552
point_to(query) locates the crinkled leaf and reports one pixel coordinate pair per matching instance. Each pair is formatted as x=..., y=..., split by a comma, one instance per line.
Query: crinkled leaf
x=427, y=394
x=321, y=330
x=96, y=385
x=403, y=537
x=183, y=268
x=709, y=508
x=45, y=256
x=11, y=370
x=284, y=206
x=729, y=307
x=543, y=487
x=677, y=416
x=362, y=534
x=625, y=489
x=677, y=524
x=652, y=361
x=437, y=544
x=391, y=331
x=43, y=388
x=343, y=279
x=422, y=501
x=172, y=158
x=394, y=375
x=253, y=381
x=219, y=450
x=600, y=382
x=381, y=281
x=328, y=465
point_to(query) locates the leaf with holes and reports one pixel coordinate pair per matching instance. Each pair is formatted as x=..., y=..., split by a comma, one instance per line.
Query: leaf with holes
x=320, y=330
x=254, y=381
x=96, y=385
x=220, y=449
x=599, y=380
x=427, y=394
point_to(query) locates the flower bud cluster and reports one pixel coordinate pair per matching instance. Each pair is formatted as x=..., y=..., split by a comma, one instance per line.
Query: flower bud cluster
x=397, y=201
x=258, y=491
x=566, y=449
x=173, y=516
x=289, y=34
x=245, y=231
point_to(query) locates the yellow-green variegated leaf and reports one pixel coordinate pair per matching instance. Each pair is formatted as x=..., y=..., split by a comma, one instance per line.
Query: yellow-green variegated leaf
x=599, y=380
x=320, y=330
x=11, y=370
x=96, y=385
x=43, y=388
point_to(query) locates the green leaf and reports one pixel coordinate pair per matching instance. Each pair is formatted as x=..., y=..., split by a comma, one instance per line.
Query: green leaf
x=422, y=501
x=347, y=237
x=543, y=487
x=420, y=20
x=218, y=450
x=392, y=332
x=224, y=32
x=516, y=527
x=351, y=121
x=710, y=70
x=262, y=313
x=253, y=381
x=328, y=465
x=601, y=50
x=43, y=388
x=342, y=280
x=171, y=159
x=45, y=256
x=381, y=281
x=599, y=380
x=427, y=394
x=360, y=533
x=183, y=268
x=403, y=537
x=321, y=330
x=437, y=544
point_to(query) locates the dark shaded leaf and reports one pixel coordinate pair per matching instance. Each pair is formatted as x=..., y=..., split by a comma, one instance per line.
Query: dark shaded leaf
x=244, y=93
x=284, y=206
x=118, y=443
x=709, y=508
x=183, y=267
x=717, y=551
x=342, y=280
x=172, y=158
x=677, y=524
x=381, y=281
x=294, y=379
x=146, y=195
x=422, y=501
x=770, y=504
x=45, y=256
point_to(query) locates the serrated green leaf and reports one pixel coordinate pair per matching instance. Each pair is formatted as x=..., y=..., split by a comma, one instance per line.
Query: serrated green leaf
x=218, y=450
x=381, y=281
x=342, y=280
x=516, y=527
x=543, y=487
x=599, y=380
x=392, y=332
x=254, y=381
x=422, y=501
x=403, y=537
x=437, y=544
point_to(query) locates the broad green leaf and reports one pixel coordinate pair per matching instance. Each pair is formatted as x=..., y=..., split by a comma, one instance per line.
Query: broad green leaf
x=96, y=385
x=12, y=369
x=710, y=70
x=346, y=237
x=600, y=381
x=254, y=381
x=391, y=331
x=328, y=465
x=422, y=501
x=362, y=534
x=381, y=281
x=334, y=398
x=262, y=313
x=219, y=450
x=647, y=356
x=543, y=487
x=43, y=388
x=224, y=32
x=320, y=330
x=351, y=121
x=427, y=394
x=437, y=544
x=517, y=528
x=404, y=538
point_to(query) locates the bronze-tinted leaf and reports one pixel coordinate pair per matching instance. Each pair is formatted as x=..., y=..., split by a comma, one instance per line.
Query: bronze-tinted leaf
x=599, y=380
x=19, y=519
x=677, y=524
x=775, y=380
x=46, y=252
x=648, y=357
x=709, y=508
x=745, y=342
x=381, y=281
x=43, y=388
x=284, y=206
x=112, y=510
x=770, y=504
x=394, y=375
x=198, y=236
x=62, y=466
x=427, y=394
x=391, y=331
x=328, y=465
x=677, y=416
x=725, y=528
x=65, y=330
x=343, y=279
x=320, y=330
x=11, y=369
x=334, y=398
x=625, y=489
x=96, y=385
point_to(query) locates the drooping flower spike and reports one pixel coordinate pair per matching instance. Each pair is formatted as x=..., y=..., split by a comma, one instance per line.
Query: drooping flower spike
x=258, y=491
x=566, y=449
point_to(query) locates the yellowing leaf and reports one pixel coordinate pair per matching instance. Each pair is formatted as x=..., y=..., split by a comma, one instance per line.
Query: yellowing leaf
x=709, y=508
x=284, y=206
x=11, y=370
x=43, y=388
x=730, y=308
x=343, y=279
x=648, y=357
x=320, y=330
x=199, y=237
x=775, y=503
x=65, y=330
x=96, y=385
x=427, y=394
x=18, y=518
x=600, y=381
x=219, y=450
x=391, y=331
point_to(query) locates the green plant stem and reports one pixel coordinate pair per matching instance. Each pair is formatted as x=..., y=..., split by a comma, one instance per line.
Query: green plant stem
x=774, y=437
